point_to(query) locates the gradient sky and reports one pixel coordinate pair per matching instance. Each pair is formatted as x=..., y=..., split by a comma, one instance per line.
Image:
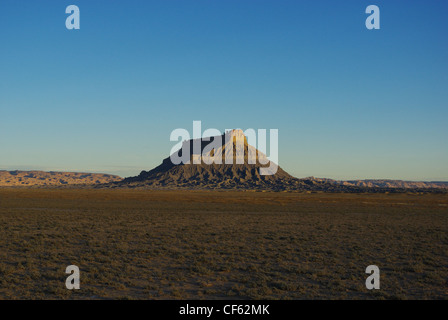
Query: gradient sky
x=348, y=102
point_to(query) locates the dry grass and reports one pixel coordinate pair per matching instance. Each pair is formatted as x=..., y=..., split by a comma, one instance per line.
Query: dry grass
x=221, y=245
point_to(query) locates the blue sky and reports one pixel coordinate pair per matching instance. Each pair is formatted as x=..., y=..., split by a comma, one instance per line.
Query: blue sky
x=348, y=102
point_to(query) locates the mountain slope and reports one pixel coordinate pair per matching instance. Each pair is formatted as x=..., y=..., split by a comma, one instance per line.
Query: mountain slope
x=244, y=172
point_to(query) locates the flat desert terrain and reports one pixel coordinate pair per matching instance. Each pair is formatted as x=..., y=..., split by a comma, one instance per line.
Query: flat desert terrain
x=133, y=244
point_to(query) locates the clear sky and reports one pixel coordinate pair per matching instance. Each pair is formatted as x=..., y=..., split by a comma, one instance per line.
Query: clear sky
x=348, y=102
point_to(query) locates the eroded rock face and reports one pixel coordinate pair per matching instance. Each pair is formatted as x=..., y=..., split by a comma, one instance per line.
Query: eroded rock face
x=42, y=178
x=238, y=168
x=229, y=148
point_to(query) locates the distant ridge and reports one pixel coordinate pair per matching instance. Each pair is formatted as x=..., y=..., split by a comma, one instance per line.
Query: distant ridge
x=42, y=178
x=395, y=184
x=388, y=183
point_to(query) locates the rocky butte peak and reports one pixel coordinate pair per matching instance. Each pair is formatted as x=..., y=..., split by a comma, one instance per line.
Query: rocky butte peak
x=230, y=148
x=226, y=161
x=238, y=134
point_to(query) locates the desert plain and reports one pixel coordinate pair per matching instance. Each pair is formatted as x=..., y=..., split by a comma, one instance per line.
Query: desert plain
x=143, y=244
